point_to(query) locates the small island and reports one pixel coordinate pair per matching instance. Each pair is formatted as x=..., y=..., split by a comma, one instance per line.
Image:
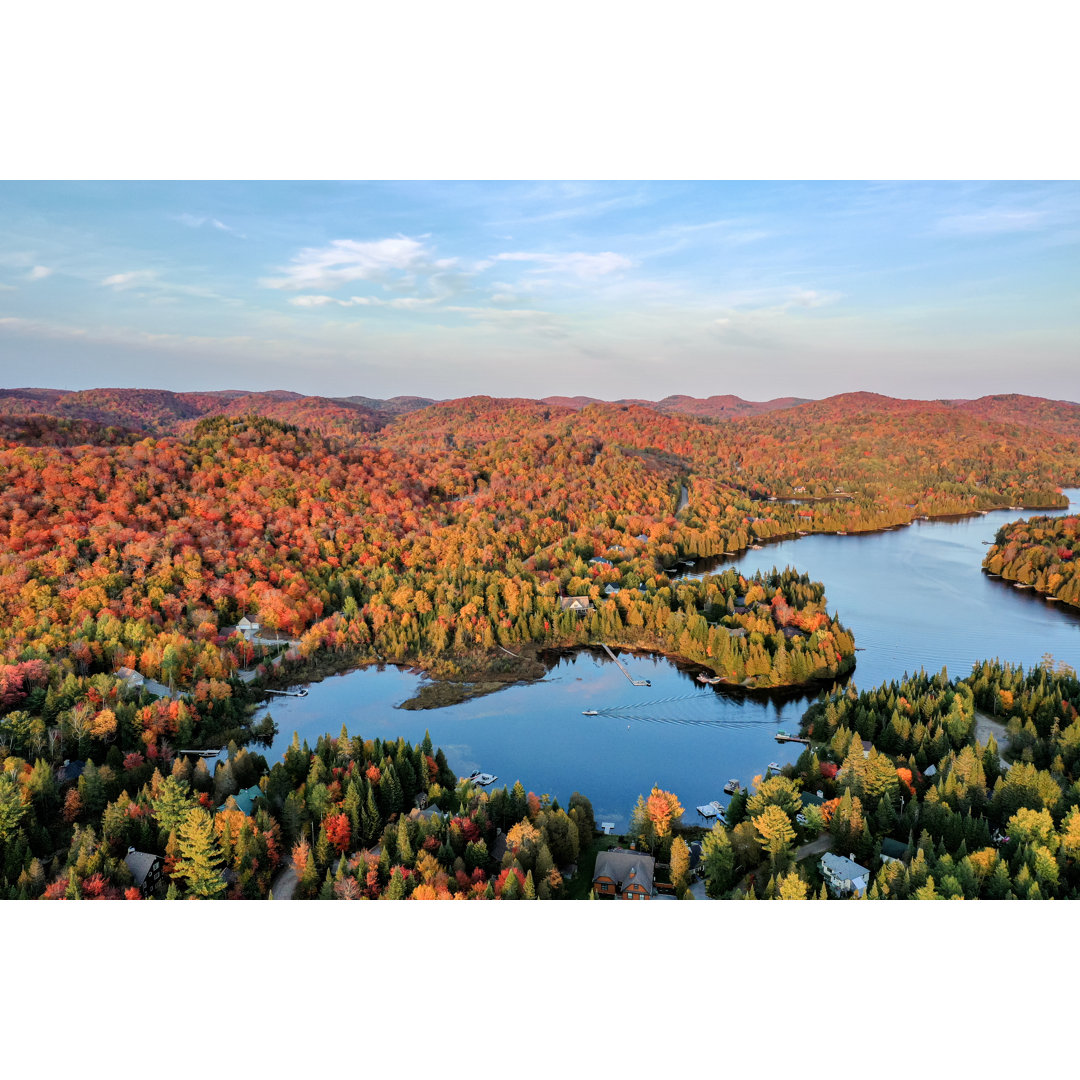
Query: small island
x=1041, y=553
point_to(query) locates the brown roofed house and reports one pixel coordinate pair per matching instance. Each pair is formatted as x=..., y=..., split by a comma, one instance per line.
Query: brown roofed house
x=624, y=875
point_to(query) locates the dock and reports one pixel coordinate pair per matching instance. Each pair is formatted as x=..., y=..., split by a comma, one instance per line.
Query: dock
x=289, y=693
x=633, y=681
x=783, y=736
x=480, y=779
x=201, y=753
x=713, y=810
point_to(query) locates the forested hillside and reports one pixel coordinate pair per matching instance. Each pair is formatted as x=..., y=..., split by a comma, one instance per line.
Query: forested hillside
x=136, y=532
x=1041, y=552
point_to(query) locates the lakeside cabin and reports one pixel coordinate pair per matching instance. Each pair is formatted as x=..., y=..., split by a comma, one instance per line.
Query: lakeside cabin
x=624, y=875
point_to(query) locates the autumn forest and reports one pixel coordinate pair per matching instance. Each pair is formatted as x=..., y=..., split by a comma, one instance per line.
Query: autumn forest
x=167, y=560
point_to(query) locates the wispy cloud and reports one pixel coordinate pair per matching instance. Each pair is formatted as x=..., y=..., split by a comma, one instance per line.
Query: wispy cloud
x=992, y=222
x=38, y=273
x=163, y=290
x=542, y=322
x=131, y=279
x=402, y=302
x=578, y=263
x=197, y=221
x=572, y=209
x=344, y=261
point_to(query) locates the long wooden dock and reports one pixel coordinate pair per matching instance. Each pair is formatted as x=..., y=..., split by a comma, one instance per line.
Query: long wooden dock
x=635, y=682
x=783, y=736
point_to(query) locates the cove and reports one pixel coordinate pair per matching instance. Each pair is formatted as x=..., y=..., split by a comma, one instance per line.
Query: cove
x=913, y=597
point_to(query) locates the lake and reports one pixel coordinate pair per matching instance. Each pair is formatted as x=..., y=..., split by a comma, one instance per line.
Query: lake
x=914, y=597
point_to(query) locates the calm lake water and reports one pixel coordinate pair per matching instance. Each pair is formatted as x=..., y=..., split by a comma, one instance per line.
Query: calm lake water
x=914, y=597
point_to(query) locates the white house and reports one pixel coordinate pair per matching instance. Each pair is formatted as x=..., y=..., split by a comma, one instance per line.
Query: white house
x=248, y=628
x=844, y=877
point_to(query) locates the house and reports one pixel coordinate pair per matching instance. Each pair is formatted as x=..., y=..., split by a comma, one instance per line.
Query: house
x=578, y=604
x=932, y=771
x=145, y=869
x=248, y=628
x=131, y=679
x=611, y=590
x=844, y=877
x=245, y=800
x=624, y=875
x=597, y=561
x=70, y=771
x=867, y=746
x=892, y=850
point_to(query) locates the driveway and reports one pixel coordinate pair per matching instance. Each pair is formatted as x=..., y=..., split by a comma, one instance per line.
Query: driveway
x=285, y=884
x=816, y=847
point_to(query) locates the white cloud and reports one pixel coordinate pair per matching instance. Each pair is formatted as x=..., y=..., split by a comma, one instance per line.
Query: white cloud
x=131, y=279
x=343, y=261
x=38, y=273
x=991, y=222
x=579, y=263
x=362, y=301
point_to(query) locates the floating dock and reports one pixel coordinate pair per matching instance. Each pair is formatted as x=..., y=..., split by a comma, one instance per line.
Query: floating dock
x=713, y=810
x=783, y=736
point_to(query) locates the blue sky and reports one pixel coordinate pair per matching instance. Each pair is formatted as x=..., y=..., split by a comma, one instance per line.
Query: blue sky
x=608, y=289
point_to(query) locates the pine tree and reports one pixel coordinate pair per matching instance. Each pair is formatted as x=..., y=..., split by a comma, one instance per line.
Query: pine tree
x=396, y=889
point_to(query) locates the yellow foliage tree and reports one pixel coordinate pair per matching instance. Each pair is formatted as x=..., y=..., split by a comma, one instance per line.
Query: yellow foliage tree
x=774, y=828
x=103, y=724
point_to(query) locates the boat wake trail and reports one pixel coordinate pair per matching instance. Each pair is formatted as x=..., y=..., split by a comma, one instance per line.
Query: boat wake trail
x=683, y=710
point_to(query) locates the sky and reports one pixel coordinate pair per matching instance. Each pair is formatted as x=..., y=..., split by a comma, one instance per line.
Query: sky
x=612, y=290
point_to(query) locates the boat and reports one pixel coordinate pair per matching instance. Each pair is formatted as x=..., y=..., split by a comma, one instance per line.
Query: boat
x=774, y=766
x=708, y=680
x=590, y=712
x=756, y=547
x=481, y=779
x=731, y=787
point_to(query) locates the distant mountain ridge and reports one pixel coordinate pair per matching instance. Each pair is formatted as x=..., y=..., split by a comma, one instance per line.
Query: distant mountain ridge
x=719, y=405
x=139, y=412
